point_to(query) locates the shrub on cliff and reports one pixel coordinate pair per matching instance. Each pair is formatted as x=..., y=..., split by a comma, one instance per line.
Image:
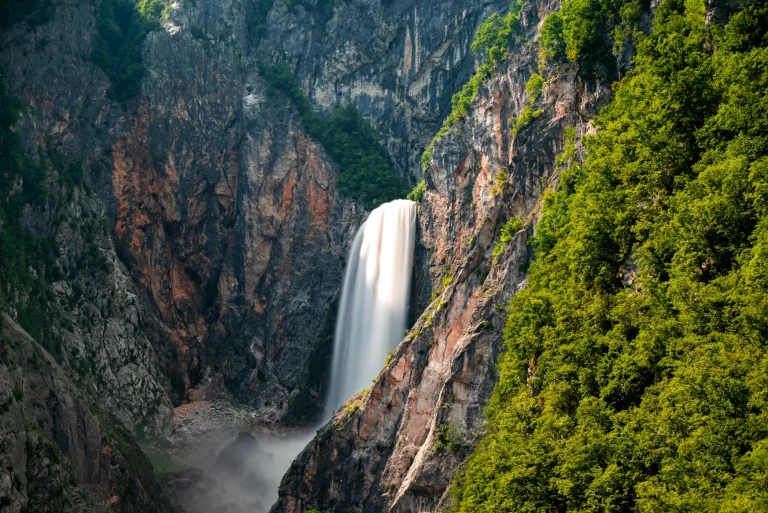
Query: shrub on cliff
x=551, y=39
x=493, y=38
x=588, y=30
x=25, y=261
x=365, y=170
x=527, y=116
x=533, y=88
x=634, y=377
x=418, y=192
x=122, y=26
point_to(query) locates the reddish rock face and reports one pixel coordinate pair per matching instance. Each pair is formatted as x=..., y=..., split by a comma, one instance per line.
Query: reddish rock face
x=233, y=226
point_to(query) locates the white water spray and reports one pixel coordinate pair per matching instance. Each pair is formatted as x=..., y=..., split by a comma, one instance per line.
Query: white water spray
x=374, y=299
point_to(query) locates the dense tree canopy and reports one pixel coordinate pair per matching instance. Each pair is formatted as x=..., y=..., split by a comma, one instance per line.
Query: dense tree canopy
x=635, y=376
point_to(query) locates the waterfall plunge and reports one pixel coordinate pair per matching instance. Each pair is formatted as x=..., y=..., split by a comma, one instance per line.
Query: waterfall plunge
x=374, y=299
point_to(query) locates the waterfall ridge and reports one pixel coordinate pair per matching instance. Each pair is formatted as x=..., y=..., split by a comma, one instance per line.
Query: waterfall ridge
x=374, y=300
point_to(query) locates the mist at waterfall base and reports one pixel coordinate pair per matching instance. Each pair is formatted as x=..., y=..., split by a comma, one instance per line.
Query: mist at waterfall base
x=227, y=471
x=371, y=321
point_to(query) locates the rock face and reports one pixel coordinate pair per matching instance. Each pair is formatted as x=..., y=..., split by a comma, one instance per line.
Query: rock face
x=221, y=238
x=59, y=454
x=397, y=448
x=241, y=238
x=397, y=61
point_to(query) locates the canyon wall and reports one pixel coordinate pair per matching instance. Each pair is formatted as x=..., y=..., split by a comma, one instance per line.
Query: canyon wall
x=59, y=452
x=203, y=250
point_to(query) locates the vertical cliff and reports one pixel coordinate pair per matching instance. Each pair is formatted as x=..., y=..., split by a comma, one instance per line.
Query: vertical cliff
x=93, y=318
x=60, y=453
x=398, y=62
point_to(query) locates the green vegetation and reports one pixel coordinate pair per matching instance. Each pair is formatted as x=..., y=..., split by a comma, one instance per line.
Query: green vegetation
x=449, y=438
x=499, y=180
x=123, y=26
x=636, y=363
x=493, y=39
x=445, y=282
x=526, y=118
x=533, y=88
x=551, y=39
x=569, y=147
x=356, y=402
x=365, y=170
x=418, y=192
x=508, y=231
x=163, y=463
x=18, y=393
x=588, y=30
x=257, y=21
x=25, y=261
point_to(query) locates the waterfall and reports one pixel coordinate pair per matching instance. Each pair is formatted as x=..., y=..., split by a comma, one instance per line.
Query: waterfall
x=374, y=299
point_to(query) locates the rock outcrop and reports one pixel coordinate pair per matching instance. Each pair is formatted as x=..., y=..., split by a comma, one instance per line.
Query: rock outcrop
x=59, y=453
x=398, y=62
x=398, y=447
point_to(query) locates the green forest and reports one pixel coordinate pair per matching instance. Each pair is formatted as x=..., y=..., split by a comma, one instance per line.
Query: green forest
x=123, y=25
x=635, y=371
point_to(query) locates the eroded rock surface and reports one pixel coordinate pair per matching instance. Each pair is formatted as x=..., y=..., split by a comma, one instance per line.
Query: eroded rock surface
x=59, y=453
x=230, y=234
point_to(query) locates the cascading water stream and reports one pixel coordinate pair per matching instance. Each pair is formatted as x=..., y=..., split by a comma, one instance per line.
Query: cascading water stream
x=374, y=299
x=371, y=321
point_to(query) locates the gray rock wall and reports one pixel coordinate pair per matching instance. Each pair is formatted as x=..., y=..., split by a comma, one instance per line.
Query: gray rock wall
x=59, y=453
x=231, y=238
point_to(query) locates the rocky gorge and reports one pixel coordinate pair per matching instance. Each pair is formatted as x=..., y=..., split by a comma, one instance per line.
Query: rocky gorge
x=183, y=266
x=211, y=190
x=203, y=245
x=403, y=441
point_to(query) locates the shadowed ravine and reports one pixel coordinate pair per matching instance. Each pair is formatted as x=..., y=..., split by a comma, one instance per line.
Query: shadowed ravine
x=371, y=321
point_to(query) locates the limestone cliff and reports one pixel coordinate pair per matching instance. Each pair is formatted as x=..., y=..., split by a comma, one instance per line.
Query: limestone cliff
x=221, y=237
x=397, y=61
